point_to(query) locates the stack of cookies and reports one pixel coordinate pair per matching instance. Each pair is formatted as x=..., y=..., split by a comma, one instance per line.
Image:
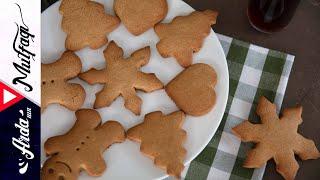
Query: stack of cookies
x=161, y=136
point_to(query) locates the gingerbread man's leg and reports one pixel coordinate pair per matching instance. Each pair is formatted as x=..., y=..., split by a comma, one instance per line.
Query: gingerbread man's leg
x=94, y=164
x=132, y=101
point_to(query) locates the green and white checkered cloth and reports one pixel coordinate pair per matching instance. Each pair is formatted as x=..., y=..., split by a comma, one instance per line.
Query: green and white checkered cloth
x=254, y=72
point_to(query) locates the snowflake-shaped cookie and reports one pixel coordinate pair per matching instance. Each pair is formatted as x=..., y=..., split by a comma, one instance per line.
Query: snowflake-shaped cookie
x=122, y=77
x=276, y=138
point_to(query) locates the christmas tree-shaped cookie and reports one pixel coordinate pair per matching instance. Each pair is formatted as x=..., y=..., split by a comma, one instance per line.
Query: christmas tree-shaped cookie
x=86, y=24
x=162, y=138
x=184, y=35
x=276, y=138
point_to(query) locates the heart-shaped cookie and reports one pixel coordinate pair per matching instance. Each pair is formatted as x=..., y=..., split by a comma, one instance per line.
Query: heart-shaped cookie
x=140, y=15
x=192, y=89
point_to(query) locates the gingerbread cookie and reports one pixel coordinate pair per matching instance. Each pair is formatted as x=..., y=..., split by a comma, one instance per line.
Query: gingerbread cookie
x=122, y=77
x=140, y=15
x=276, y=138
x=56, y=89
x=184, y=35
x=162, y=138
x=86, y=24
x=81, y=148
x=192, y=89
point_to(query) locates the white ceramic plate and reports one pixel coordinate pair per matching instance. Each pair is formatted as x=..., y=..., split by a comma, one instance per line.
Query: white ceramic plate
x=124, y=161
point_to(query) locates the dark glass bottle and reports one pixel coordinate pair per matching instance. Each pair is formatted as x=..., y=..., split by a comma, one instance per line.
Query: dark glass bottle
x=271, y=15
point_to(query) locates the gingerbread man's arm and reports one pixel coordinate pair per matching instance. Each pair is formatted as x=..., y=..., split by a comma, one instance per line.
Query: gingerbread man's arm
x=110, y=132
x=54, y=145
x=140, y=57
x=68, y=66
x=93, y=76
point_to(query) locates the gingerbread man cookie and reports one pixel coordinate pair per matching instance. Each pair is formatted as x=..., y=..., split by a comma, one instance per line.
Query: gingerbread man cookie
x=81, y=148
x=162, y=137
x=276, y=138
x=140, y=15
x=86, y=24
x=56, y=89
x=184, y=35
x=122, y=77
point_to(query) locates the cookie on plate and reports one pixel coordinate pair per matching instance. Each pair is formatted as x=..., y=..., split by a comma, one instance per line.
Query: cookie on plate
x=122, y=77
x=193, y=89
x=184, y=35
x=86, y=24
x=140, y=15
x=276, y=138
x=81, y=148
x=162, y=137
x=56, y=89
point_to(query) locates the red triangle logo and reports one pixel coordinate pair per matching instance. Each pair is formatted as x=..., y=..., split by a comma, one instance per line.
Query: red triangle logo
x=8, y=96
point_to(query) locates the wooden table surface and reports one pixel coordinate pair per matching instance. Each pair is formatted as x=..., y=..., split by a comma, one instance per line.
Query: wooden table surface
x=302, y=39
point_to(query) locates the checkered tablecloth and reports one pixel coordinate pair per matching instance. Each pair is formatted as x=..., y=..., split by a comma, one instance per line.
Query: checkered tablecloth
x=254, y=71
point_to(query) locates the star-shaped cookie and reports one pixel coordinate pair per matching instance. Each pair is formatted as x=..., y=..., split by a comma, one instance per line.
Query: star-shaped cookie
x=86, y=24
x=81, y=148
x=122, y=77
x=184, y=35
x=276, y=138
x=162, y=137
